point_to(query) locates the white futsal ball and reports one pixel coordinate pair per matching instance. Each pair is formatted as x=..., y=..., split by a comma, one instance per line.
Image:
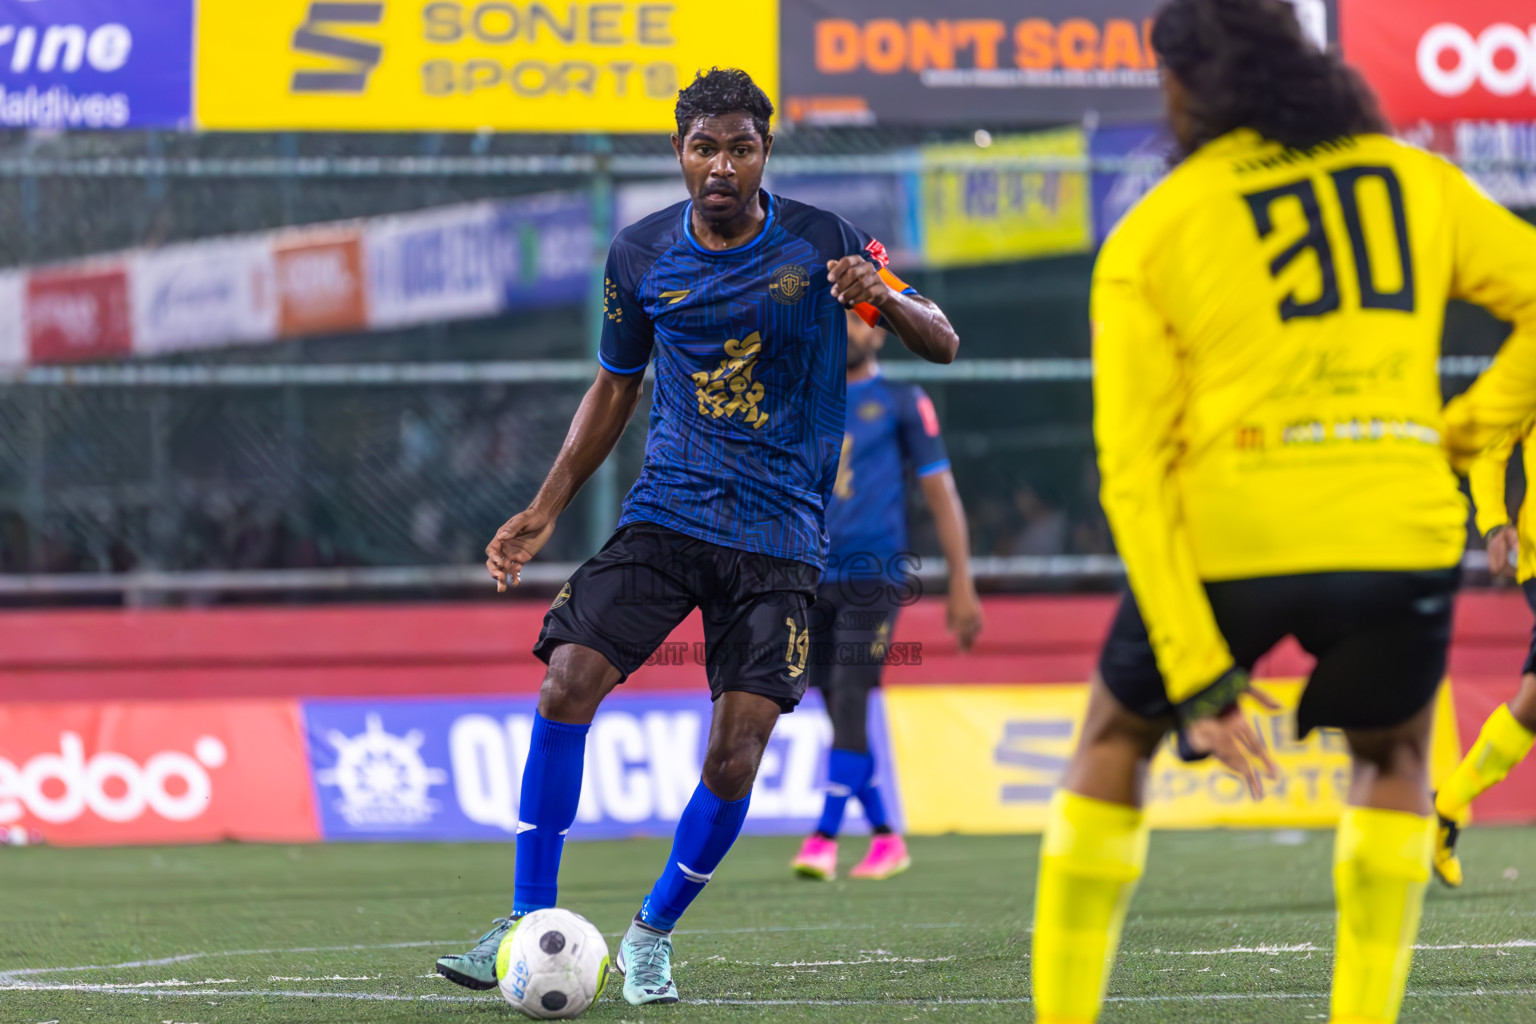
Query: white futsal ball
x=553, y=965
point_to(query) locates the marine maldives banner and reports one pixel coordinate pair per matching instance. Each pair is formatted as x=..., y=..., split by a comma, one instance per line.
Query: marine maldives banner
x=155, y=772
x=435, y=769
x=1437, y=61
x=95, y=63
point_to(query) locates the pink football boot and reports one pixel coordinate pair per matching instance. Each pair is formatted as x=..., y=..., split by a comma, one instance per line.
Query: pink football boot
x=817, y=858
x=887, y=856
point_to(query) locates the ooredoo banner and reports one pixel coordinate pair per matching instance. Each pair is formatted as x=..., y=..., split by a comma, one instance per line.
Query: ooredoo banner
x=95, y=63
x=981, y=62
x=439, y=264
x=78, y=314
x=155, y=772
x=463, y=65
x=452, y=769
x=1437, y=61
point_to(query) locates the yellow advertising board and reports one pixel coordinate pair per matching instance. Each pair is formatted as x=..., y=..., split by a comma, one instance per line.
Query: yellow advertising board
x=979, y=209
x=986, y=759
x=464, y=65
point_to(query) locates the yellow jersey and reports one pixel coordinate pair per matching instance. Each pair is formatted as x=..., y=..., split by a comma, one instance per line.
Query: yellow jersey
x=1267, y=330
x=1488, y=476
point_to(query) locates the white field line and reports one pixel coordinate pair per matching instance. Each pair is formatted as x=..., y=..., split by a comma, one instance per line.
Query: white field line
x=1212, y=997
x=184, y=957
x=1307, y=947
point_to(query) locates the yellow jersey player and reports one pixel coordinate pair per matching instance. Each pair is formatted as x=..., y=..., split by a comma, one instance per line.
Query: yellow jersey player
x=1506, y=737
x=1268, y=416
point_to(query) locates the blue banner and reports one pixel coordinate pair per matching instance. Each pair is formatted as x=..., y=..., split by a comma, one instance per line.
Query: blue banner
x=1142, y=151
x=552, y=249
x=95, y=63
x=430, y=769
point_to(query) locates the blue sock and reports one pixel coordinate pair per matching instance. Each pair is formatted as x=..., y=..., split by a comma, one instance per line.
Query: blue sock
x=847, y=774
x=708, y=828
x=551, y=790
x=874, y=806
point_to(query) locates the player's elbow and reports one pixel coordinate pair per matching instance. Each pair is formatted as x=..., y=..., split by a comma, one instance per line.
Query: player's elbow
x=945, y=348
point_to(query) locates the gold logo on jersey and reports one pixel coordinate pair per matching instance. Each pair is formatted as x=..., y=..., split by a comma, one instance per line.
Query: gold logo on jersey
x=613, y=309
x=562, y=597
x=730, y=390
x=871, y=411
x=673, y=298
x=843, y=487
x=789, y=284
x=799, y=648
x=882, y=643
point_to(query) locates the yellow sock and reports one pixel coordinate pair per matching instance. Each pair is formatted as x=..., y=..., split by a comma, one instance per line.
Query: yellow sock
x=1090, y=858
x=1501, y=745
x=1380, y=868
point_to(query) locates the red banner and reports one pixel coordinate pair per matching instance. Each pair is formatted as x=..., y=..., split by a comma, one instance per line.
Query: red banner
x=78, y=315
x=147, y=772
x=1436, y=61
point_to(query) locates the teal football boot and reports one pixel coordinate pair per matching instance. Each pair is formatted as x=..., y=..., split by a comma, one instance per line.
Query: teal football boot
x=477, y=968
x=645, y=960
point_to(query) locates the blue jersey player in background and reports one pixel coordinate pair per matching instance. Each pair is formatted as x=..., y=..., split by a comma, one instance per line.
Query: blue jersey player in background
x=737, y=298
x=892, y=432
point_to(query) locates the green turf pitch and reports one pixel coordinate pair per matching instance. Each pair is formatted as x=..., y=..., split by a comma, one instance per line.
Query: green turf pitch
x=1228, y=926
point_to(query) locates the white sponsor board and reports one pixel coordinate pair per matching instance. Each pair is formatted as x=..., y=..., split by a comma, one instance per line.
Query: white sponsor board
x=441, y=264
x=13, y=324
x=203, y=295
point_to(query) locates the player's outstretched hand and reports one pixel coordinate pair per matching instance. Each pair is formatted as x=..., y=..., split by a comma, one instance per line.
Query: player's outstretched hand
x=856, y=280
x=1503, y=551
x=1230, y=738
x=963, y=616
x=515, y=544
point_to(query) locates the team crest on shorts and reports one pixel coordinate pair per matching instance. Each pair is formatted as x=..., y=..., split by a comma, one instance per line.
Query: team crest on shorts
x=789, y=284
x=562, y=597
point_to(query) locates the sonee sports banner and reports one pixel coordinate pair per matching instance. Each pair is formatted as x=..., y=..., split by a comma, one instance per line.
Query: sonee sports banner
x=464, y=65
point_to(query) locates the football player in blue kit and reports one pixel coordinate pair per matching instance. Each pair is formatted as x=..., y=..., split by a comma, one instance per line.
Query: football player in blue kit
x=892, y=431
x=737, y=298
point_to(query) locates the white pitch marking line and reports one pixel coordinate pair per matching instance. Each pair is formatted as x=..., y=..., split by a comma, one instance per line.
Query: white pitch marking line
x=1212, y=997
x=330, y=977
x=183, y=957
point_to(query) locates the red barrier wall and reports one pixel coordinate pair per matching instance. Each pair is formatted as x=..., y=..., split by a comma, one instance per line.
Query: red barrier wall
x=484, y=648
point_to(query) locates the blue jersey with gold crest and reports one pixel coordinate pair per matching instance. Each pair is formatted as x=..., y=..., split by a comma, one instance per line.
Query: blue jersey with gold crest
x=891, y=427
x=750, y=348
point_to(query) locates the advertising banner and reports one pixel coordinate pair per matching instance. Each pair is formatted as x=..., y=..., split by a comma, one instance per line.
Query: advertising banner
x=1499, y=155
x=442, y=264
x=13, y=329
x=75, y=315
x=202, y=295
x=986, y=759
x=320, y=284
x=1141, y=152
x=551, y=249
x=95, y=63
x=1436, y=61
x=155, y=772
x=880, y=204
x=976, y=209
x=977, y=62
x=464, y=65
x=434, y=769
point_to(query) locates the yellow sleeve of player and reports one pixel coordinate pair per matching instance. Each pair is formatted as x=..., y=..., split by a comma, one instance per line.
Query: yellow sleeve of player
x=1496, y=269
x=1488, y=477
x=1138, y=395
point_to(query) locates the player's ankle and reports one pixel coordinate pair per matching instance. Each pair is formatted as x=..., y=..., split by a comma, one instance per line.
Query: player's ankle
x=830, y=837
x=883, y=830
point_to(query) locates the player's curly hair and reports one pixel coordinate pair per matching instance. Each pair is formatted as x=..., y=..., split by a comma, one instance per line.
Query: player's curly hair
x=1247, y=64
x=723, y=91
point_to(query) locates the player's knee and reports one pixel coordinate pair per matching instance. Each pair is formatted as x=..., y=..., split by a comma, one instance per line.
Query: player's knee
x=1402, y=753
x=731, y=768
x=1523, y=706
x=576, y=683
